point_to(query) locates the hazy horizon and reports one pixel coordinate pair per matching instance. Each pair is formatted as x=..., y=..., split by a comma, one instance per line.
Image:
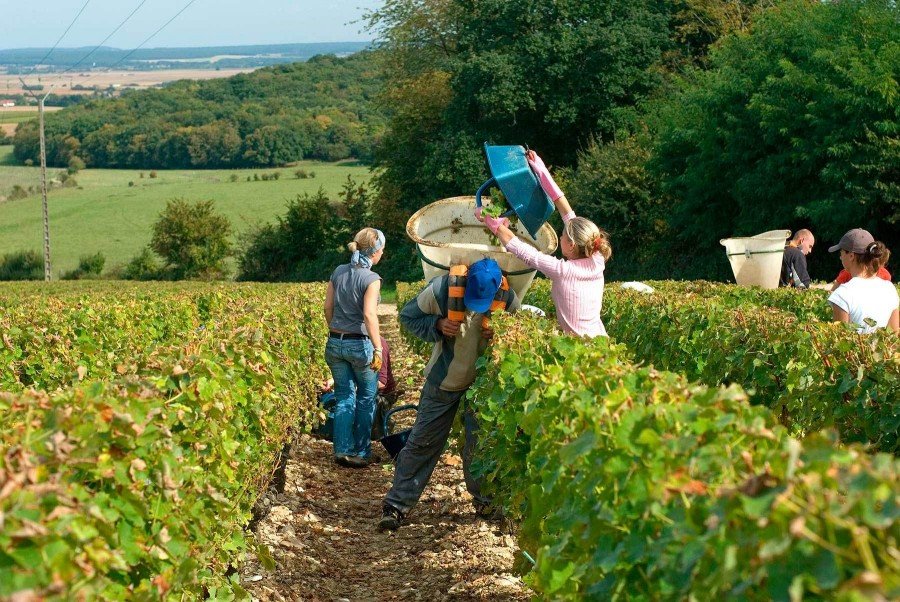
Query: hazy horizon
x=205, y=23
x=152, y=47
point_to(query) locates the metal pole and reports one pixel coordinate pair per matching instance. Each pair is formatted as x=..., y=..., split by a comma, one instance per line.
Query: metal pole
x=44, y=191
x=43, y=175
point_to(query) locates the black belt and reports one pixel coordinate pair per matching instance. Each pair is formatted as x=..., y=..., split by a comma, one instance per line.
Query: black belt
x=346, y=335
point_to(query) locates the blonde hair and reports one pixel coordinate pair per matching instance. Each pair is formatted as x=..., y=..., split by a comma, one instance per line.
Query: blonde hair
x=588, y=238
x=364, y=239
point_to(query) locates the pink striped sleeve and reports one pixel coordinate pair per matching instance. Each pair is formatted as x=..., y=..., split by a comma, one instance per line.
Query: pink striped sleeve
x=568, y=216
x=550, y=266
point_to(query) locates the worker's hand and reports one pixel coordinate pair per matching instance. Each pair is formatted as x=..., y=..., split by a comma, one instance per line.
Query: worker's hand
x=493, y=223
x=448, y=328
x=478, y=214
x=376, y=360
x=487, y=333
x=543, y=175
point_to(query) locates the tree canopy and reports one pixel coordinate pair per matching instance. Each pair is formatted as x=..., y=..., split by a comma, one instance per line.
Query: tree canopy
x=794, y=125
x=320, y=109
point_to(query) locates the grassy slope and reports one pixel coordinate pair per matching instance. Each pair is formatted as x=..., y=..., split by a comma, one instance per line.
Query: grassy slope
x=109, y=216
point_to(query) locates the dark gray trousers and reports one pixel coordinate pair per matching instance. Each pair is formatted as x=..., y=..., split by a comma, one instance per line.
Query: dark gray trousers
x=416, y=462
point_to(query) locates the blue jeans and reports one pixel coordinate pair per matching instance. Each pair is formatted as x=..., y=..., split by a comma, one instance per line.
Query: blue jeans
x=355, y=388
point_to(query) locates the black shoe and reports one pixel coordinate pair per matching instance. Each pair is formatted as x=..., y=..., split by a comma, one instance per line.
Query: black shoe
x=351, y=461
x=390, y=519
x=488, y=512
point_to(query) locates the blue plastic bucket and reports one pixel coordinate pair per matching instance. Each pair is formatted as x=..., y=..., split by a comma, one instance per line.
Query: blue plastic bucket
x=513, y=176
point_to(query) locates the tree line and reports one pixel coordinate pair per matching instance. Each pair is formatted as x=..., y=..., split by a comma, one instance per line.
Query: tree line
x=320, y=109
x=672, y=124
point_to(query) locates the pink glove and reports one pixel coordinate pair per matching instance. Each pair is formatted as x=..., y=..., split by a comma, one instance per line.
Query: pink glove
x=494, y=223
x=543, y=175
x=478, y=214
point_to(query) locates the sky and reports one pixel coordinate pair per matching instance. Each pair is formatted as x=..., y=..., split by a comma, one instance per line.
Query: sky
x=39, y=23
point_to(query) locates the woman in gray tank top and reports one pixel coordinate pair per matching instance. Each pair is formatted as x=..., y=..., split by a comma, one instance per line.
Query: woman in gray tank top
x=351, y=303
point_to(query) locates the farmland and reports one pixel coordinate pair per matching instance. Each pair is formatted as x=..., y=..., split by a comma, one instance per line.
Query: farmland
x=11, y=117
x=18, y=114
x=87, y=82
x=630, y=480
x=105, y=214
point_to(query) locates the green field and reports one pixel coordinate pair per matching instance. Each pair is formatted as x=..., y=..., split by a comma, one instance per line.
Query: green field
x=17, y=116
x=106, y=214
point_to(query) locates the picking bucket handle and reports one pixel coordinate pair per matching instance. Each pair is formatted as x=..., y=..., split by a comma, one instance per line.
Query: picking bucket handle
x=485, y=186
x=392, y=411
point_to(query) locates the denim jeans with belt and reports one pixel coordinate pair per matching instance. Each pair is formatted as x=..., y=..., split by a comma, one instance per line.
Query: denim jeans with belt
x=355, y=388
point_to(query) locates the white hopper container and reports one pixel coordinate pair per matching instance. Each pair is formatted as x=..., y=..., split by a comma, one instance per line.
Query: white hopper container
x=446, y=233
x=756, y=260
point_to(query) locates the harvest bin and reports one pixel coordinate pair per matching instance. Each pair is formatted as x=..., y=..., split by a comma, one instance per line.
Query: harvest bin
x=756, y=260
x=446, y=233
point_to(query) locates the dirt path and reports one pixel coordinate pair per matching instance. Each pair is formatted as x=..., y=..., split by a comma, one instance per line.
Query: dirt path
x=321, y=530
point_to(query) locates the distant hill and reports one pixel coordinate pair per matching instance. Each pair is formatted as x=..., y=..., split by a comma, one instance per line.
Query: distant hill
x=211, y=57
x=319, y=109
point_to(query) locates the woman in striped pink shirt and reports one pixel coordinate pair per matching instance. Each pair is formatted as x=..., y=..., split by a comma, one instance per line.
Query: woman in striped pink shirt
x=577, y=288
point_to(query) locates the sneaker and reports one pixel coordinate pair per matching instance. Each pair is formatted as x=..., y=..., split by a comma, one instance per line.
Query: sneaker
x=351, y=461
x=390, y=519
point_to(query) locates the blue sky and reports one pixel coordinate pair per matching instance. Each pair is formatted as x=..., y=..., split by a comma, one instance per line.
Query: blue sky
x=38, y=23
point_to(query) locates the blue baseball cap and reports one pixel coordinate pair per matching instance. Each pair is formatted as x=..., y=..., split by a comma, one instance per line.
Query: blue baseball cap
x=482, y=283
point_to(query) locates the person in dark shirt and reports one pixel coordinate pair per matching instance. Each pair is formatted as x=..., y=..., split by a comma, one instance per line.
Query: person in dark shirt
x=793, y=264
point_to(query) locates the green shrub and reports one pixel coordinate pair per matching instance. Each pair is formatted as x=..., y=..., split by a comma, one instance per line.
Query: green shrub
x=18, y=192
x=153, y=174
x=143, y=266
x=632, y=483
x=233, y=177
x=813, y=374
x=121, y=491
x=22, y=265
x=612, y=186
x=193, y=239
x=89, y=266
x=299, y=246
x=76, y=165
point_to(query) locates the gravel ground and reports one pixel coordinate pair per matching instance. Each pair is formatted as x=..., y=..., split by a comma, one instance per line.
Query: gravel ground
x=321, y=530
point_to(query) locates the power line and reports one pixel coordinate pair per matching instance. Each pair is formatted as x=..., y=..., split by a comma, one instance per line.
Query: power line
x=152, y=35
x=136, y=48
x=49, y=52
x=97, y=47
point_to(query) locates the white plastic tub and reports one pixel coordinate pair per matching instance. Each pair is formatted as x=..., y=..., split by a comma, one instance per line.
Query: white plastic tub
x=756, y=260
x=446, y=233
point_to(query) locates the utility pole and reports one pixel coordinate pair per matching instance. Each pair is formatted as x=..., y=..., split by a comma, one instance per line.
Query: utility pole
x=46, y=211
x=44, y=190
